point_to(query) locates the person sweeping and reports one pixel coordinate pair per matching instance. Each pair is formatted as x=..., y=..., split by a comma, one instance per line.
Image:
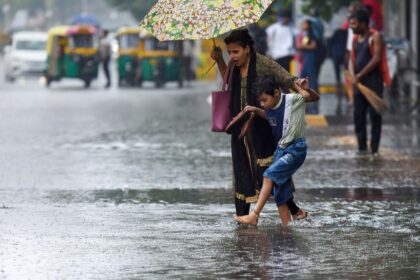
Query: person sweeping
x=286, y=115
x=369, y=71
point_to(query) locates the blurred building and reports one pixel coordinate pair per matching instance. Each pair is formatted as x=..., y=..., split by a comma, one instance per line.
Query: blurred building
x=401, y=20
x=44, y=14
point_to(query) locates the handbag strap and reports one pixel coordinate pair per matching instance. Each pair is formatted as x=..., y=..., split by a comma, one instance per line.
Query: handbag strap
x=227, y=79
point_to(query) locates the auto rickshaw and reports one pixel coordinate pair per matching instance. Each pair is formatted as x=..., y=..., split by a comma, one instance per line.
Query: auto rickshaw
x=128, y=56
x=160, y=62
x=73, y=52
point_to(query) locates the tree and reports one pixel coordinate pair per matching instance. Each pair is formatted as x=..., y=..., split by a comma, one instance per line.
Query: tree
x=324, y=8
x=273, y=11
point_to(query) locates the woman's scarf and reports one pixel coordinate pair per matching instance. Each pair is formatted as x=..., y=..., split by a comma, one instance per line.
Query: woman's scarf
x=262, y=139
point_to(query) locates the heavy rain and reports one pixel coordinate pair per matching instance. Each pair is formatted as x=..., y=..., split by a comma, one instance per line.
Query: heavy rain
x=124, y=179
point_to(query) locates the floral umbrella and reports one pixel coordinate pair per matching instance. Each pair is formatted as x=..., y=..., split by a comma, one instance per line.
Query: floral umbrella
x=201, y=19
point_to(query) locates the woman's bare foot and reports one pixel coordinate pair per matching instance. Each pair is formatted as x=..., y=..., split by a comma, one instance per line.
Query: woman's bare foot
x=251, y=219
x=300, y=215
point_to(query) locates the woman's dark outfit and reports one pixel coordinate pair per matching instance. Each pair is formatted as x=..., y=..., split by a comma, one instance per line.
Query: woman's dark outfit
x=252, y=154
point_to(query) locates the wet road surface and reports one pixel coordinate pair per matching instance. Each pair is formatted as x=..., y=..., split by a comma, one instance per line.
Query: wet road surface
x=131, y=184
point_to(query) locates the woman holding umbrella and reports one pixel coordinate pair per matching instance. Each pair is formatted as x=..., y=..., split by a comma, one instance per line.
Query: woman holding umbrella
x=252, y=154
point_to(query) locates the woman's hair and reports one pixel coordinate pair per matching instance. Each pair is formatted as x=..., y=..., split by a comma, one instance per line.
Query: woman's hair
x=308, y=22
x=266, y=84
x=240, y=37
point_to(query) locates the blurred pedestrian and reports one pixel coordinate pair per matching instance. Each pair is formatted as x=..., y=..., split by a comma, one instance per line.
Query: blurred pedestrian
x=252, y=154
x=353, y=7
x=307, y=45
x=260, y=38
x=105, y=52
x=280, y=40
x=288, y=128
x=374, y=8
x=365, y=68
x=187, y=59
x=317, y=27
x=337, y=51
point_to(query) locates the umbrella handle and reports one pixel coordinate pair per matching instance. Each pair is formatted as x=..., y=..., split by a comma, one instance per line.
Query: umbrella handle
x=208, y=70
x=214, y=44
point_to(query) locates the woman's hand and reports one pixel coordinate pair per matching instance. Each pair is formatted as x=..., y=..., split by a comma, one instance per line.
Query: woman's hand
x=255, y=110
x=302, y=83
x=216, y=54
x=250, y=109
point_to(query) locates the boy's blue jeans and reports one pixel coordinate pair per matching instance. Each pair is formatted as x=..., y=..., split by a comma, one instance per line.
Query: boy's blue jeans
x=285, y=162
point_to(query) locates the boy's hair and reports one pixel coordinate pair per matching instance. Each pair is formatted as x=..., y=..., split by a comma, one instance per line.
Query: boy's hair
x=361, y=16
x=266, y=84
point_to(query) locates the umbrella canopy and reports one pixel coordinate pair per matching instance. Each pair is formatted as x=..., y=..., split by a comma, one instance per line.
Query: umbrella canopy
x=201, y=19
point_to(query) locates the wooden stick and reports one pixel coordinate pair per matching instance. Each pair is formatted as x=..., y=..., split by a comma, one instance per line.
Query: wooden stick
x=348, y=87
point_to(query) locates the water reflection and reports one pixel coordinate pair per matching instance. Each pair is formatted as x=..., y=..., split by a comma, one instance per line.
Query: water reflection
x=155, y=234
x=263, y=252
x=195, y=196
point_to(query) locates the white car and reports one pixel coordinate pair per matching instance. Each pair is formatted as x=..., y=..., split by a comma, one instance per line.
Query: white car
x=26, y=56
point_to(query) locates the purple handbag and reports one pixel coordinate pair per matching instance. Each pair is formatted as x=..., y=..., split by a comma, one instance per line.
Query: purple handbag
x=220, y=103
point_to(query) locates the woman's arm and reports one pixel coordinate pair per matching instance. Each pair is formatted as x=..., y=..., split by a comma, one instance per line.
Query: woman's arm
x=270, y=67
x=251, y=109
x=310, y=46
x=217, y=56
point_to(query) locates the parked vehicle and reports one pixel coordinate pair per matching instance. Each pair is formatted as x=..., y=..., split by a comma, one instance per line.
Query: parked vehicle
x=26, y=55
x=73, y=52
x=128, y=56
x=160, y=61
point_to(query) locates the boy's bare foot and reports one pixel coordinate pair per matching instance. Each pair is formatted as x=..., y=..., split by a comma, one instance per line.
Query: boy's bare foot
x=300, y=215
x=251, y=219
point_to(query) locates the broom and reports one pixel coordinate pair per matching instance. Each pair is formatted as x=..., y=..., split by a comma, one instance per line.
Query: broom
x=348, y=87
x=377, y=103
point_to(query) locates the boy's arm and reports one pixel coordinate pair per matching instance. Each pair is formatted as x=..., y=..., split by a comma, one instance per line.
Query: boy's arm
x=309, y=95
x=260, y=112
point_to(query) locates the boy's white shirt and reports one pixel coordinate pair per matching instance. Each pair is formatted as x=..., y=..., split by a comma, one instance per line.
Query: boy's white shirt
x=294, y=118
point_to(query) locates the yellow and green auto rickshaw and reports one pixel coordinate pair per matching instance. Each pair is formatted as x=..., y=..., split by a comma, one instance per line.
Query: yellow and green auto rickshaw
x=73, y=52
x=160, y=62
x=128, y=56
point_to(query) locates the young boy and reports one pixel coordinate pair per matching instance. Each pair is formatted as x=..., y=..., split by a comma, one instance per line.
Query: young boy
x=286, y=115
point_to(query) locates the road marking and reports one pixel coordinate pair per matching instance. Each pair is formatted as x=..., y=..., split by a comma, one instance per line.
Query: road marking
x=316, y=120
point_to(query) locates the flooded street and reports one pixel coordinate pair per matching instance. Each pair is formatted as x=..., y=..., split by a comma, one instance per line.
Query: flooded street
x=131, y=184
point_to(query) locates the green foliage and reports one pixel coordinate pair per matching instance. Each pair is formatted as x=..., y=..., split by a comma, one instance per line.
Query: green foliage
x=325, y=8
x=31, y=5
x=138, y=8
x=273, y=11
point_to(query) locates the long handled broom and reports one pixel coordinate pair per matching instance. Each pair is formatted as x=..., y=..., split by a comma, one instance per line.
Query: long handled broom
x=377, y=103
x=348, y=87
